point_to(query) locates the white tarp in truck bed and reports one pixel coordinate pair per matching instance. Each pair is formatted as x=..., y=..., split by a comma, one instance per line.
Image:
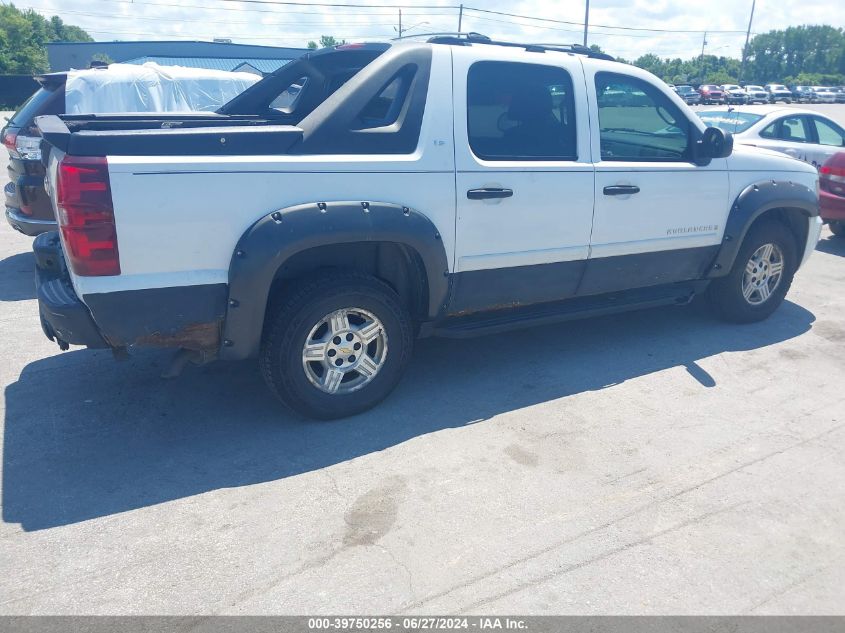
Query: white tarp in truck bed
x=151, y=88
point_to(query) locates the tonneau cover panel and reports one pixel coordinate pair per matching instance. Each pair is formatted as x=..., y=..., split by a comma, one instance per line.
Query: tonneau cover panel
x=212, y=136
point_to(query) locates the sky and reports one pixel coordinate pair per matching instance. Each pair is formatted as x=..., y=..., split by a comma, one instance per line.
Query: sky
x=271, y=23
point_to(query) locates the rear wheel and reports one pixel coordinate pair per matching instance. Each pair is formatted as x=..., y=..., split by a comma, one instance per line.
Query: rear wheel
x=838, y=229
x=760, y=277
x=337, y=346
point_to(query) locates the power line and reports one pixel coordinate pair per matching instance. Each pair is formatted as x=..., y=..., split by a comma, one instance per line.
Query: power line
x=604, y=26
x=554, y=28
x=255, y=10
x=165, y=19
x=454, y=8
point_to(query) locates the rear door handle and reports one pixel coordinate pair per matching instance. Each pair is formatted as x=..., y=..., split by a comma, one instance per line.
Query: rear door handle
x=621, y=190
x=489, y=192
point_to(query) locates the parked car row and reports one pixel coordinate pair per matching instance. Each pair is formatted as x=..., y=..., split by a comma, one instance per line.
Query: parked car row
x=803, y=134
x=734, y=94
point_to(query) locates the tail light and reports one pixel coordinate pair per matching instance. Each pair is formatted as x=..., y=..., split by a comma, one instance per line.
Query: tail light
x=832, y=172
x=9, y=140
x=86, y=216
x=21, y=146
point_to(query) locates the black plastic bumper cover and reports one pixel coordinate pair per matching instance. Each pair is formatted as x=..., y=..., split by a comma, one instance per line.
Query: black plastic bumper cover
x=64, y=318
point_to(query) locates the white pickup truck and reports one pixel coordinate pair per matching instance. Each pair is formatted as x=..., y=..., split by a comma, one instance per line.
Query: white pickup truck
x=364, y=196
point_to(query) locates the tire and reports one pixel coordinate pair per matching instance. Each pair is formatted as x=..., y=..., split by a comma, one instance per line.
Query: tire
x=314, y=313
x=837, y=228
x=726, y=293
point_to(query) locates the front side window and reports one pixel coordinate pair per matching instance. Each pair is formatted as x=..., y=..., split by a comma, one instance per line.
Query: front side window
x=520, y=111
x=637, y=122
x=829, y=133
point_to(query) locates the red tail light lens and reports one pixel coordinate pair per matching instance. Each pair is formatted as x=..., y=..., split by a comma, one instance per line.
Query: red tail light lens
x=832, y=172
x=10, y=140
x=86, y=216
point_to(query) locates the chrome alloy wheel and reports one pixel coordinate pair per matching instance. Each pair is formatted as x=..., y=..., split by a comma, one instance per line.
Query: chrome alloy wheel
x=763, y=274
x=344, y=351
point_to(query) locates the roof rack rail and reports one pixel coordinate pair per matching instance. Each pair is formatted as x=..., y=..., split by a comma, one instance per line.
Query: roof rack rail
x=446, y=35
x=457, y=38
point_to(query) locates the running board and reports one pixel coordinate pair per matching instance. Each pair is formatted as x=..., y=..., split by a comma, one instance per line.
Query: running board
x=494, y=321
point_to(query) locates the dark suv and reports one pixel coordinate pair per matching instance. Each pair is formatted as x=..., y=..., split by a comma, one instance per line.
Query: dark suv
x=28, y=209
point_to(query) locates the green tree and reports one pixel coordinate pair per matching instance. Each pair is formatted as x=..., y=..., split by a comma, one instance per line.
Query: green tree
x=811, y=55
x=23, y=35
x=326, y=41
x=809, y=49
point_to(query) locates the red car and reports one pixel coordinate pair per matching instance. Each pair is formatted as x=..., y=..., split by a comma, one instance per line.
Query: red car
x=711, y=93
x=832, y=193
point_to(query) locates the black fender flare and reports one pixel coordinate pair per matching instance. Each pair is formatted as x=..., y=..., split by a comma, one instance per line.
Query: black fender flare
x=755, y=200
x=279, y=235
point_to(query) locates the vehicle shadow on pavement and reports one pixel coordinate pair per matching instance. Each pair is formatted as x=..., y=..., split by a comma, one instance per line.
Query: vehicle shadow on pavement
x=17, y=277
x=832, y=245
x=87, y=437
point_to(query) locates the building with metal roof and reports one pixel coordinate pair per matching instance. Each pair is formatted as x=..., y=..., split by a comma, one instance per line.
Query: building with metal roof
x=255, y=65
x=215, y=55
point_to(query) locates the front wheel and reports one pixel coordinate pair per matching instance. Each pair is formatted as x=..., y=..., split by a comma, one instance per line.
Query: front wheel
x=837, y=228
x=336, y=346
x=761, y=275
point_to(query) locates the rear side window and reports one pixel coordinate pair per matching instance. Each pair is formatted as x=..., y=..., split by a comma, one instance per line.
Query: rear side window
x=520, y=112
x=288, y=99
x=638, y=122
x=829, y=133
x=384, y=108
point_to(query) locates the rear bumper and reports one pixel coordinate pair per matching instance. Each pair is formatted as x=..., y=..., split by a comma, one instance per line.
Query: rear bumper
x=26, y=224
x=64, y=318
x=831, y=206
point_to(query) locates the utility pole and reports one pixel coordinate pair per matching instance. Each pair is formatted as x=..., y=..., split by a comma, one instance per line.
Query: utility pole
x=703, y=44
x=586, y=21
x=745, y=48
x=460, y=17
x=400, y=22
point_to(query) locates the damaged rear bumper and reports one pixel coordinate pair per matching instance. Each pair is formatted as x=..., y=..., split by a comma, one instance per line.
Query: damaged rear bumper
x=184, y=317
x=64, y=318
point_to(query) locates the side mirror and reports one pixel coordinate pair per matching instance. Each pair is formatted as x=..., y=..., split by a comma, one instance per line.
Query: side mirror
x=714, y=143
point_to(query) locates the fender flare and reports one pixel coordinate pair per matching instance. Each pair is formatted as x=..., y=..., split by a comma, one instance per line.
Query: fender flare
x=281, y=234
x=755, y=200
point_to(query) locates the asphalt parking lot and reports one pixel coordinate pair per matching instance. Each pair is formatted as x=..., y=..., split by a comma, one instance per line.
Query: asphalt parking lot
x=646, y=463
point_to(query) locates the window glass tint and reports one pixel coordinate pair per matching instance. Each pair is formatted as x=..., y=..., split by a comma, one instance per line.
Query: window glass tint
x=377, y=111
x=770, y=131
x=385, y=108
x=290, y=96
x=638, y=122
x=520, y=112
x=829, y=134
x=793, y=129
x=729, y=121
